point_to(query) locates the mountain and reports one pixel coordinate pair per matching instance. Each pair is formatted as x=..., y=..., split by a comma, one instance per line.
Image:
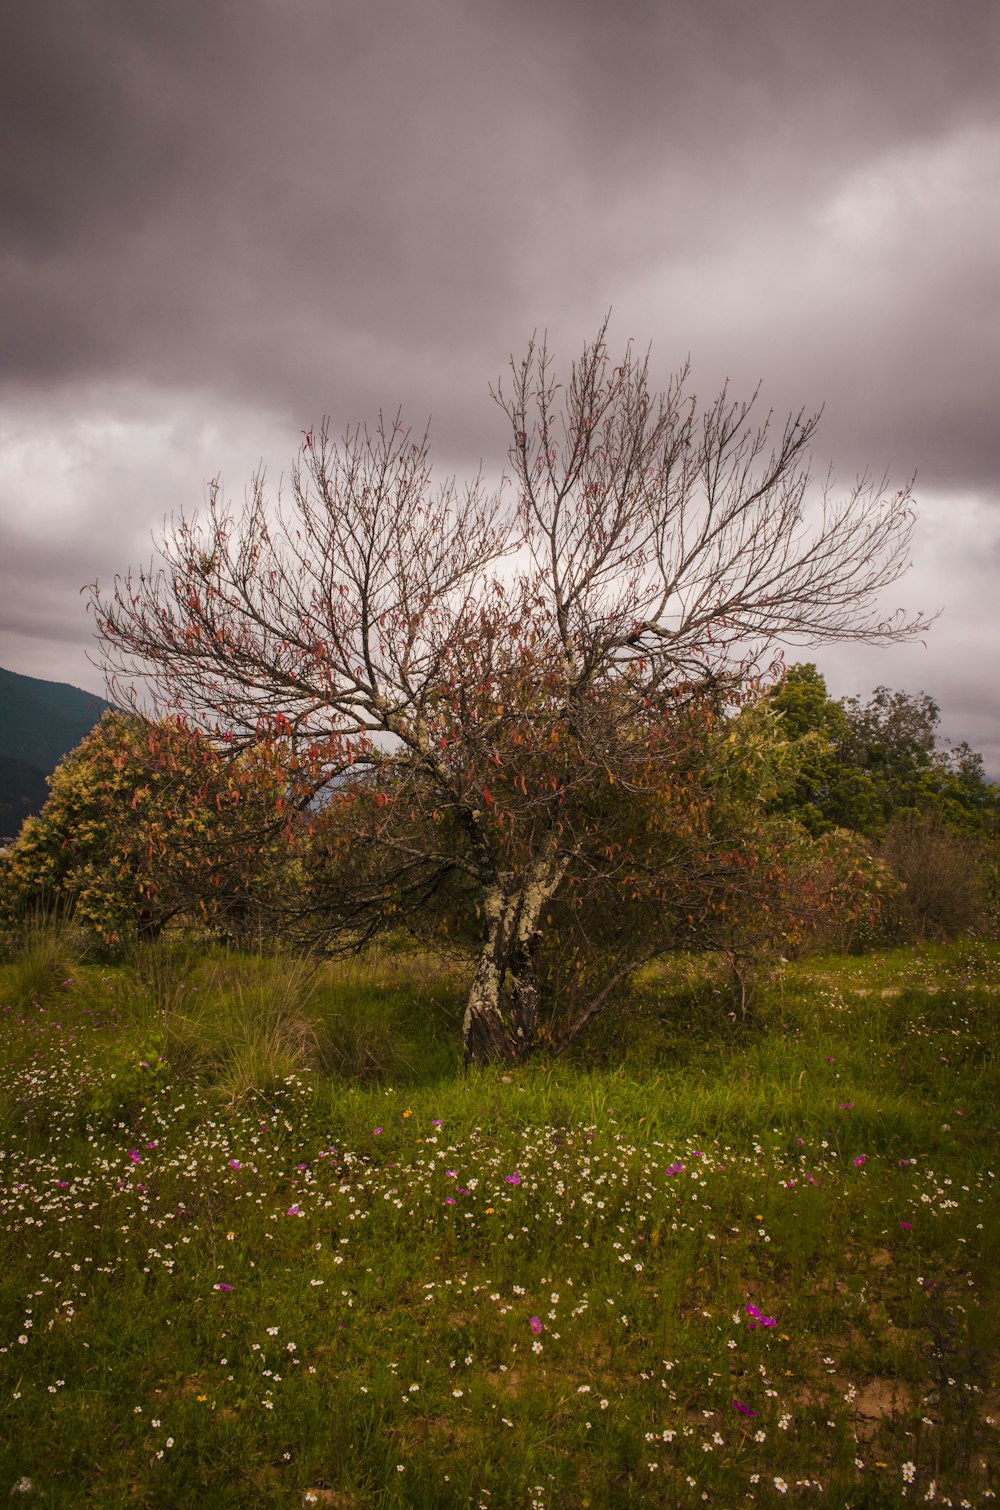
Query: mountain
x=40, y=722
x=23, y=790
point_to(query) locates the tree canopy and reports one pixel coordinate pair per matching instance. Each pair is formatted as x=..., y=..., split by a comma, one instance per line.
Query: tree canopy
x=146, y=822
x=860, y=765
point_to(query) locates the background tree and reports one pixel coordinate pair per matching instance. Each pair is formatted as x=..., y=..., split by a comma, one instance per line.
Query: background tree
x=775, y=889
x=862, y=765
x=149, y=822
x=895, y=739
x=878, y=769
x=945, y=874
x=514, y=663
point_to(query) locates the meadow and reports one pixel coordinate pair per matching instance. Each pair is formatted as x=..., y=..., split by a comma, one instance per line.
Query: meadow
x=263, y=1243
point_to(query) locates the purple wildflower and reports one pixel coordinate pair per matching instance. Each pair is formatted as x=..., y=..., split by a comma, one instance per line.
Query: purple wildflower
x=759, y=1319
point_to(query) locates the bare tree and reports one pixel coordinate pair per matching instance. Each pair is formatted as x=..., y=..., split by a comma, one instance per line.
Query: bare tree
x=502, y=694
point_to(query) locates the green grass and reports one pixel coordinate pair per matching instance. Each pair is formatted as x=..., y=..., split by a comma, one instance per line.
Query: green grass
x=375, y=1281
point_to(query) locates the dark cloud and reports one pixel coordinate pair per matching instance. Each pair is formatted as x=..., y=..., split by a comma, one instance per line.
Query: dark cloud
x=234, y=191
x=266, y=210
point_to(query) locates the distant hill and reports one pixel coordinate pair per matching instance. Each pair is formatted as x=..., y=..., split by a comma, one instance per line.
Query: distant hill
x=23, y=790
x=40, y=722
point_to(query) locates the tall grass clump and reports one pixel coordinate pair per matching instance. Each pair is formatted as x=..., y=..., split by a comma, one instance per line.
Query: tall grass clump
x=40, y=957
x=389, y=1016
x=244, y=1021
x=241, y=1022
x=165, y=970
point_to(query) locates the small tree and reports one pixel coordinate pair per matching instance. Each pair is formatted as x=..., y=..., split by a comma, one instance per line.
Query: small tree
x=498, y=686
x=148, y=822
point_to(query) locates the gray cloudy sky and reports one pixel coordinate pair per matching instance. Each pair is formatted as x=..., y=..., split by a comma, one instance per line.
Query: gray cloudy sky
x=222, y=221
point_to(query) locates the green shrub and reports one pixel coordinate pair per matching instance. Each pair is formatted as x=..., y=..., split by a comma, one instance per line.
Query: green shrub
x=943, y=875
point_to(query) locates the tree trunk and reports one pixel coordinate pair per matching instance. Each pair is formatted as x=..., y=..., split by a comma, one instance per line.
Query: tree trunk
x=501, y=1014
x=487, y=1040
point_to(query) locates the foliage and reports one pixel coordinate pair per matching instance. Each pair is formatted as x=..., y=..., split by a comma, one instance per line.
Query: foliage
x=861, y=765
x=943, y=875
x=146, y=823
x=480, y=678
x=879, y=770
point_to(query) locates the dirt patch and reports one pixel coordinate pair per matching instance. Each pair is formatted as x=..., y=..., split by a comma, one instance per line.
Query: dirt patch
x=508, y=1383
x=878, y=1399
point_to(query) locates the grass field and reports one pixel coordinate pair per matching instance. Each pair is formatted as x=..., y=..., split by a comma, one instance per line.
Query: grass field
x=263, y=1243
